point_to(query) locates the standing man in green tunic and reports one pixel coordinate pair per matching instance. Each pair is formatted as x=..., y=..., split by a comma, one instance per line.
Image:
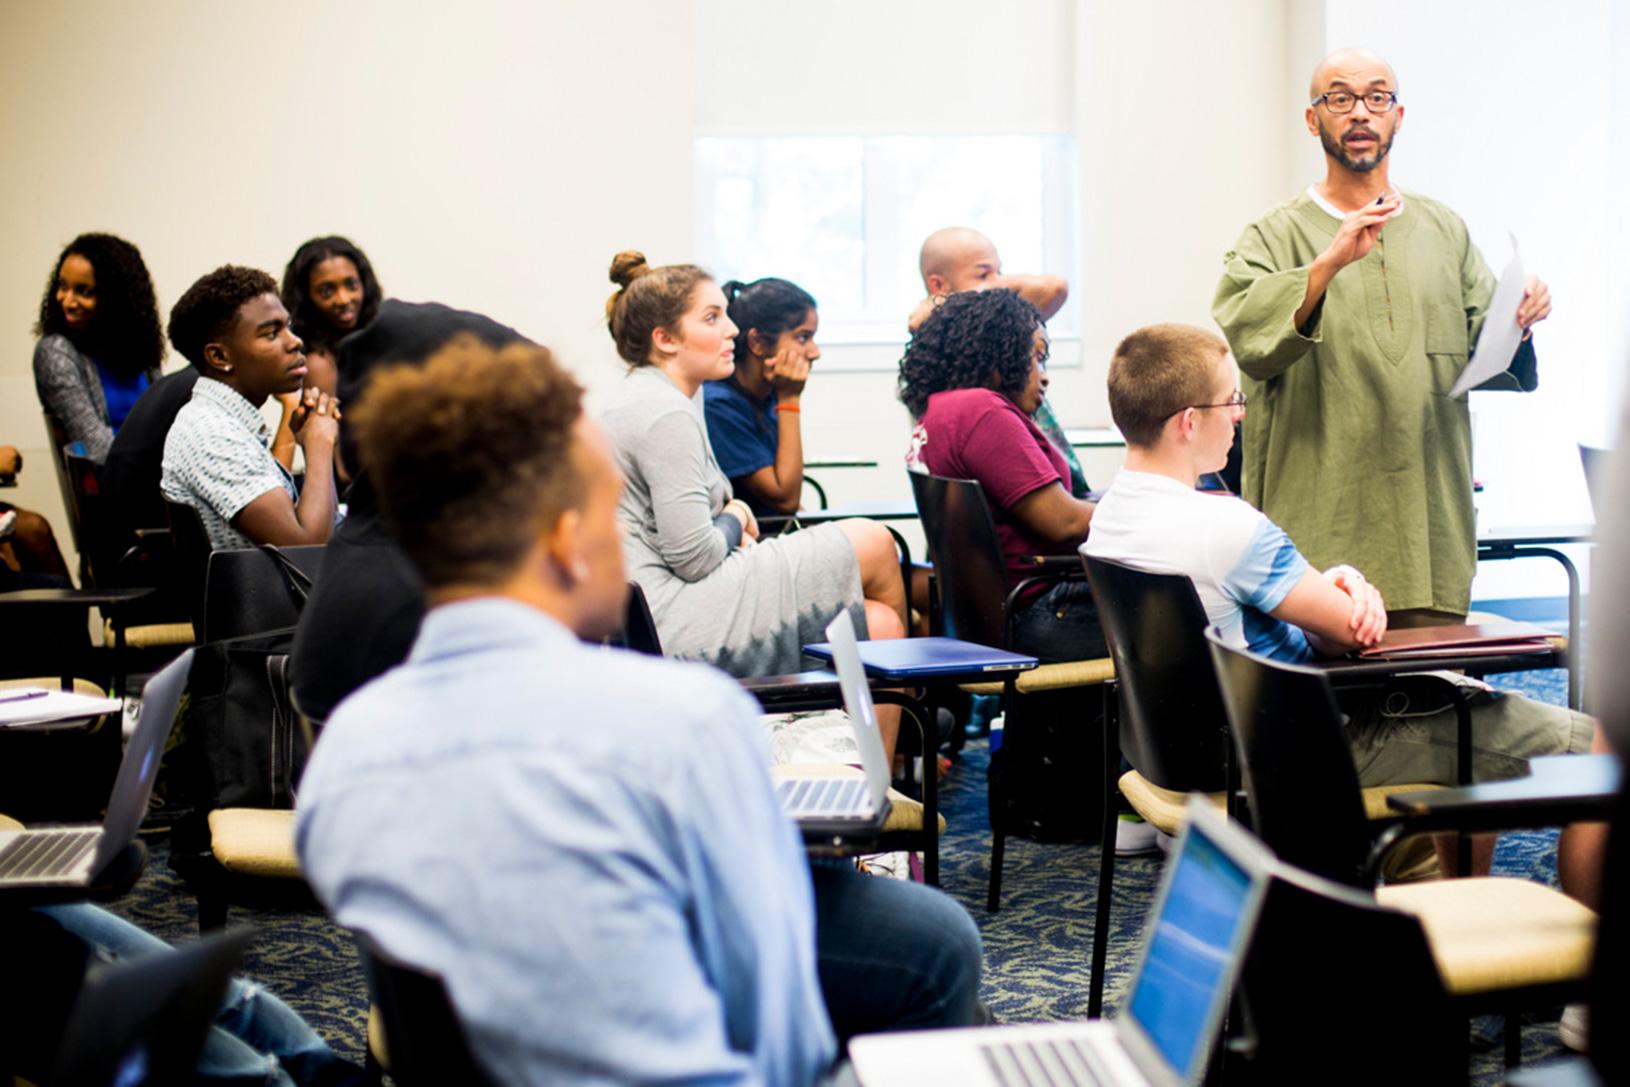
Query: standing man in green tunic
x=1352, y=309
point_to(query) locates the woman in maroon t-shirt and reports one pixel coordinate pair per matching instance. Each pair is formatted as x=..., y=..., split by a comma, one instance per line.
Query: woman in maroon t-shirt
x=972, y=376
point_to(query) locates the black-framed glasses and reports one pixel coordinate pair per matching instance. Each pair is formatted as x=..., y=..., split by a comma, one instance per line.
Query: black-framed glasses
x=1237, y=400
x=1344, y=101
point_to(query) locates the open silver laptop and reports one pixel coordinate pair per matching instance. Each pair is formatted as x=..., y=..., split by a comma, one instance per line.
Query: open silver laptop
x=1205, y=911
x=839, y=804
x=73, y=856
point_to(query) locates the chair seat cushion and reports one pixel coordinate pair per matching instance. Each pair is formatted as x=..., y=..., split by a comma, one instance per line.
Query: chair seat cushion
x=1163, y=809
x=1375, y=799
x=255, y=841
x=1495, y=933
x=1052, y=677
x=905, y=814
x=8, y=823
x=151, y=635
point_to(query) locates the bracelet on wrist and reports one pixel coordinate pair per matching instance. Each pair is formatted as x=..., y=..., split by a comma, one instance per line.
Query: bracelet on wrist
x=779, y=408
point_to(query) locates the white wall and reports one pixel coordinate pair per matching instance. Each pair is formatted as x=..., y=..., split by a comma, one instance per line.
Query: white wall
x=488, y=155
x=496, y=155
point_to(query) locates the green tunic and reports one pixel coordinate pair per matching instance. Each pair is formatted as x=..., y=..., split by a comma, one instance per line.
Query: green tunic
x=1351, y=442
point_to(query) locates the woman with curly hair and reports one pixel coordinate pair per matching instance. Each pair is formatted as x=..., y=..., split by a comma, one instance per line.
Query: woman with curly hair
x=753, y=415
x=100, y=339
x=330, y=291
x=718, y=594
x=973, y=375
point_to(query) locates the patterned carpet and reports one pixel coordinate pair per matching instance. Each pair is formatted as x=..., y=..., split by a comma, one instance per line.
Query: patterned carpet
x=1037, y=948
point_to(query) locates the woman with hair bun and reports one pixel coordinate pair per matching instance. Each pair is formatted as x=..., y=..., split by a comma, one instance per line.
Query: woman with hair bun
x=100, y=339
x=753, y=416
x=716, y=593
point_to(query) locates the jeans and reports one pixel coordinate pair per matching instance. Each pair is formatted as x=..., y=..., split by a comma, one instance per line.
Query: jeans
x=256, y=1037
x=892, y=955
x=1061, y=625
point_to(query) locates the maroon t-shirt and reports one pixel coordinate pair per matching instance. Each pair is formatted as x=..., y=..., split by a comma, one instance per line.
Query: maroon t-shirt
x=981, y=434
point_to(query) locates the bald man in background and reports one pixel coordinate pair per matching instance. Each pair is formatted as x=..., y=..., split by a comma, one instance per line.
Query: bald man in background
x=1351, y=309
x=959, y=258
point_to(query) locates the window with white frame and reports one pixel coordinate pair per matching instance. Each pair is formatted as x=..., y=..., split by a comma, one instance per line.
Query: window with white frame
x=844, y=217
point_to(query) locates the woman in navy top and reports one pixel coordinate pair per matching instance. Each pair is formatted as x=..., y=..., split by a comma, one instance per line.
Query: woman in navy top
x=753, y=415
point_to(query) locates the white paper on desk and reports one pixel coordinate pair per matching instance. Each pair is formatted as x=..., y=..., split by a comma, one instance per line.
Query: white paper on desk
x=55, y=706
x=1497, y=343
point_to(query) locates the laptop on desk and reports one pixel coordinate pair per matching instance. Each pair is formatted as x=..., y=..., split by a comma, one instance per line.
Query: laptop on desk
x=841, y=803
x=1205, y=911
x=930, y=658
x=73, y=856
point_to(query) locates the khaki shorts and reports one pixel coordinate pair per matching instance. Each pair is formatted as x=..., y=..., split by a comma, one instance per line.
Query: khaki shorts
x=1409, y=733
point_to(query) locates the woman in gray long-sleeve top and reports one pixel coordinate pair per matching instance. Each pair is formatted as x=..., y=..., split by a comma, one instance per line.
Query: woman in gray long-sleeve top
x=716, y=593
x=100, y=339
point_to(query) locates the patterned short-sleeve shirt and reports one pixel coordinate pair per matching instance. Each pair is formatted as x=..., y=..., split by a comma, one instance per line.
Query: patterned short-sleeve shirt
x=218, y=459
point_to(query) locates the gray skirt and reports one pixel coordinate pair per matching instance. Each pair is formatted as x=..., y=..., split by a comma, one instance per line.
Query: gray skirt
x=753, y=614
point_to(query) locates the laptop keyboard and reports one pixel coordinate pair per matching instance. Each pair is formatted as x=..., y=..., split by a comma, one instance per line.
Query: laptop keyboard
x=1060, y=1063
x=838, y=797
x=42, y=856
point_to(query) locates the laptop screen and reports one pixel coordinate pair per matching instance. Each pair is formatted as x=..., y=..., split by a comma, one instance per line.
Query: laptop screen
x=1187, y=966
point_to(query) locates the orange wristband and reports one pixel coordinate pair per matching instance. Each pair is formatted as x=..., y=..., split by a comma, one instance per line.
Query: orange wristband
x=779, y=408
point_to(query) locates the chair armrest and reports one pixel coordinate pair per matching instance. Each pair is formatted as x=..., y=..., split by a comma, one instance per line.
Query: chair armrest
x=1559, y=789
x=1071, y=570
x=1054, y=564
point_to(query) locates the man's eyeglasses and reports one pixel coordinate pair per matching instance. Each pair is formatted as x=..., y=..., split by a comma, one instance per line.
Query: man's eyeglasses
x=1344, y=101
x=1235, y=401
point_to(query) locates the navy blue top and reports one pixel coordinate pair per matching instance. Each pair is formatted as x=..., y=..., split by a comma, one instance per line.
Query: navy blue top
x=120, y=393
x=744, y=435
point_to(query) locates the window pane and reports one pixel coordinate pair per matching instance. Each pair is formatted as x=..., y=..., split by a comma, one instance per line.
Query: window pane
x=790, y=208
x=844, y=217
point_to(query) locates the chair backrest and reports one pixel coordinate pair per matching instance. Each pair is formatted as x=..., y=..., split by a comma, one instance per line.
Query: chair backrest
x=1174, y=730
x=248, y=591
x=967, y=557
x=1324, y=953
x=424, y=1039
x=639, y=625
x=57, y=441
x=192, y=549
x=1295, y=761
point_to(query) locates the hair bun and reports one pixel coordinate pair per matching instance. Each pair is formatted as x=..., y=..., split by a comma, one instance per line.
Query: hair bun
x=628, y=266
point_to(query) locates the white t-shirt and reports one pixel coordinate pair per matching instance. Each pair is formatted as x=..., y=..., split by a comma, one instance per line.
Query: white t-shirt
x=1242, y=564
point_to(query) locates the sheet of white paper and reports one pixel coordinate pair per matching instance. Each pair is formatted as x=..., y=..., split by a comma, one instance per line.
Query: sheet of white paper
x=1497, y=343
x=55, y=706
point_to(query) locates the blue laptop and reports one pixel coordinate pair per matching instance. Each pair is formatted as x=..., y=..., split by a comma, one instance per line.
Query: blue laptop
x=928, y=658
x=1205, y=911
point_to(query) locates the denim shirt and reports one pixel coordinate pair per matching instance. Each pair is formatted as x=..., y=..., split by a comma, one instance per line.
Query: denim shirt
x=585, y=843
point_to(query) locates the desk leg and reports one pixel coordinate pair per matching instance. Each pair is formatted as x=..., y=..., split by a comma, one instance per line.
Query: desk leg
x=1106, y=859
x=1517, y=551
x=1463, y=771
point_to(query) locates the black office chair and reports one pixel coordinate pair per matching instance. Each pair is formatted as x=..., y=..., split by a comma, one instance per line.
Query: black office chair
x=1162, y=710
x=977, y=604
x=192, y=550
x=1494, y=944
x=240, y=853
x=424, y=1040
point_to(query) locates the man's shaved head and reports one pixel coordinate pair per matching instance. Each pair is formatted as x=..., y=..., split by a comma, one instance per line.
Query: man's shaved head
x=956, y=258
x=1343, y=61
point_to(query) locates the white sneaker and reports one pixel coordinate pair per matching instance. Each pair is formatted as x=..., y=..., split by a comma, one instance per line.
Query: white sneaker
x=8, y=524
x=887, y=865
x=1574, y=1029
x=1134, y=837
